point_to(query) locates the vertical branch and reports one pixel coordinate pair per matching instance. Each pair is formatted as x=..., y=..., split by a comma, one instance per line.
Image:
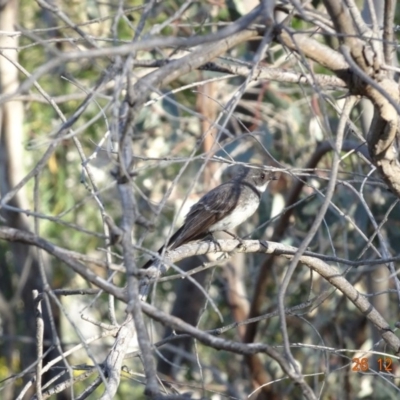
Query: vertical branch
x=388, y=29
x=113, y=363
x=128, y=202
x=39, y=343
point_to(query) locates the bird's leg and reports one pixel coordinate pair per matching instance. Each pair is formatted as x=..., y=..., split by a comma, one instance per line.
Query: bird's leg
x=241, y=241
x=215, y=241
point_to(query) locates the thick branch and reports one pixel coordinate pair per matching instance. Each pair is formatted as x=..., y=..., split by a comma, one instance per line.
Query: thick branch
x=227, y=345
x=342, y=21
x=330, y=273
x=316, y=51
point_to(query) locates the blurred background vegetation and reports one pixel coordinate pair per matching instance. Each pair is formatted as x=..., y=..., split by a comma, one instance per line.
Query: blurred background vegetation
x=183, y=138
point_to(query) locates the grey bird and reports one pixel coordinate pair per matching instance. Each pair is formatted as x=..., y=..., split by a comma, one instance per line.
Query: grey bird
x=222, y=208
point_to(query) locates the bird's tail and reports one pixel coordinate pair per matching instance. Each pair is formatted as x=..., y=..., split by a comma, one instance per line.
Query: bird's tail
x=170, y=245
x=151, y=261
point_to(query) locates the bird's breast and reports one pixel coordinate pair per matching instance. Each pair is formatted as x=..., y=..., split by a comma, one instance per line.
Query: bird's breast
x=239, y=214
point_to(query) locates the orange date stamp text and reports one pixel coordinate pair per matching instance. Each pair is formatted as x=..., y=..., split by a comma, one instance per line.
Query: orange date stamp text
x=360, y=364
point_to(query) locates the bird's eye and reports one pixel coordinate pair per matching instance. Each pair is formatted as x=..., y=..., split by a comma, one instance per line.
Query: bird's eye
x=263, y=176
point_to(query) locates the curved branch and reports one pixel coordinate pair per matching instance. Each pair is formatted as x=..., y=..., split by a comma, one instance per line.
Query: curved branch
x=228, y=345
x=316, y=51
x=370, y=79
x=343, y=22
x=330, y=273
x=258, y=299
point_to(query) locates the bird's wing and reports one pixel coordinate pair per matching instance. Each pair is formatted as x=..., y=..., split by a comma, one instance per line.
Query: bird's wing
x=211, y=208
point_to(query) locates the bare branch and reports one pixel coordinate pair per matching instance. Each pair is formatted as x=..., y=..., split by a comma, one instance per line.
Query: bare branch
x=330, y=273
x=388, y=32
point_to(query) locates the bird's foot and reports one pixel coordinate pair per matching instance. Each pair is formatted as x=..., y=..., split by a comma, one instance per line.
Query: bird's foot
x=240, y=240
x=215, y=241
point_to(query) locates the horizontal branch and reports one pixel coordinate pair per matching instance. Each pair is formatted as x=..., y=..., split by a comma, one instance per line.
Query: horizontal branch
x=332, y=274
x=260, y=73
x=224, y=344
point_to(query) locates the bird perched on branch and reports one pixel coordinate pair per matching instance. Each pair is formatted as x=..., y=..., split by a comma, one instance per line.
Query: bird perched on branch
x=222, y=208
